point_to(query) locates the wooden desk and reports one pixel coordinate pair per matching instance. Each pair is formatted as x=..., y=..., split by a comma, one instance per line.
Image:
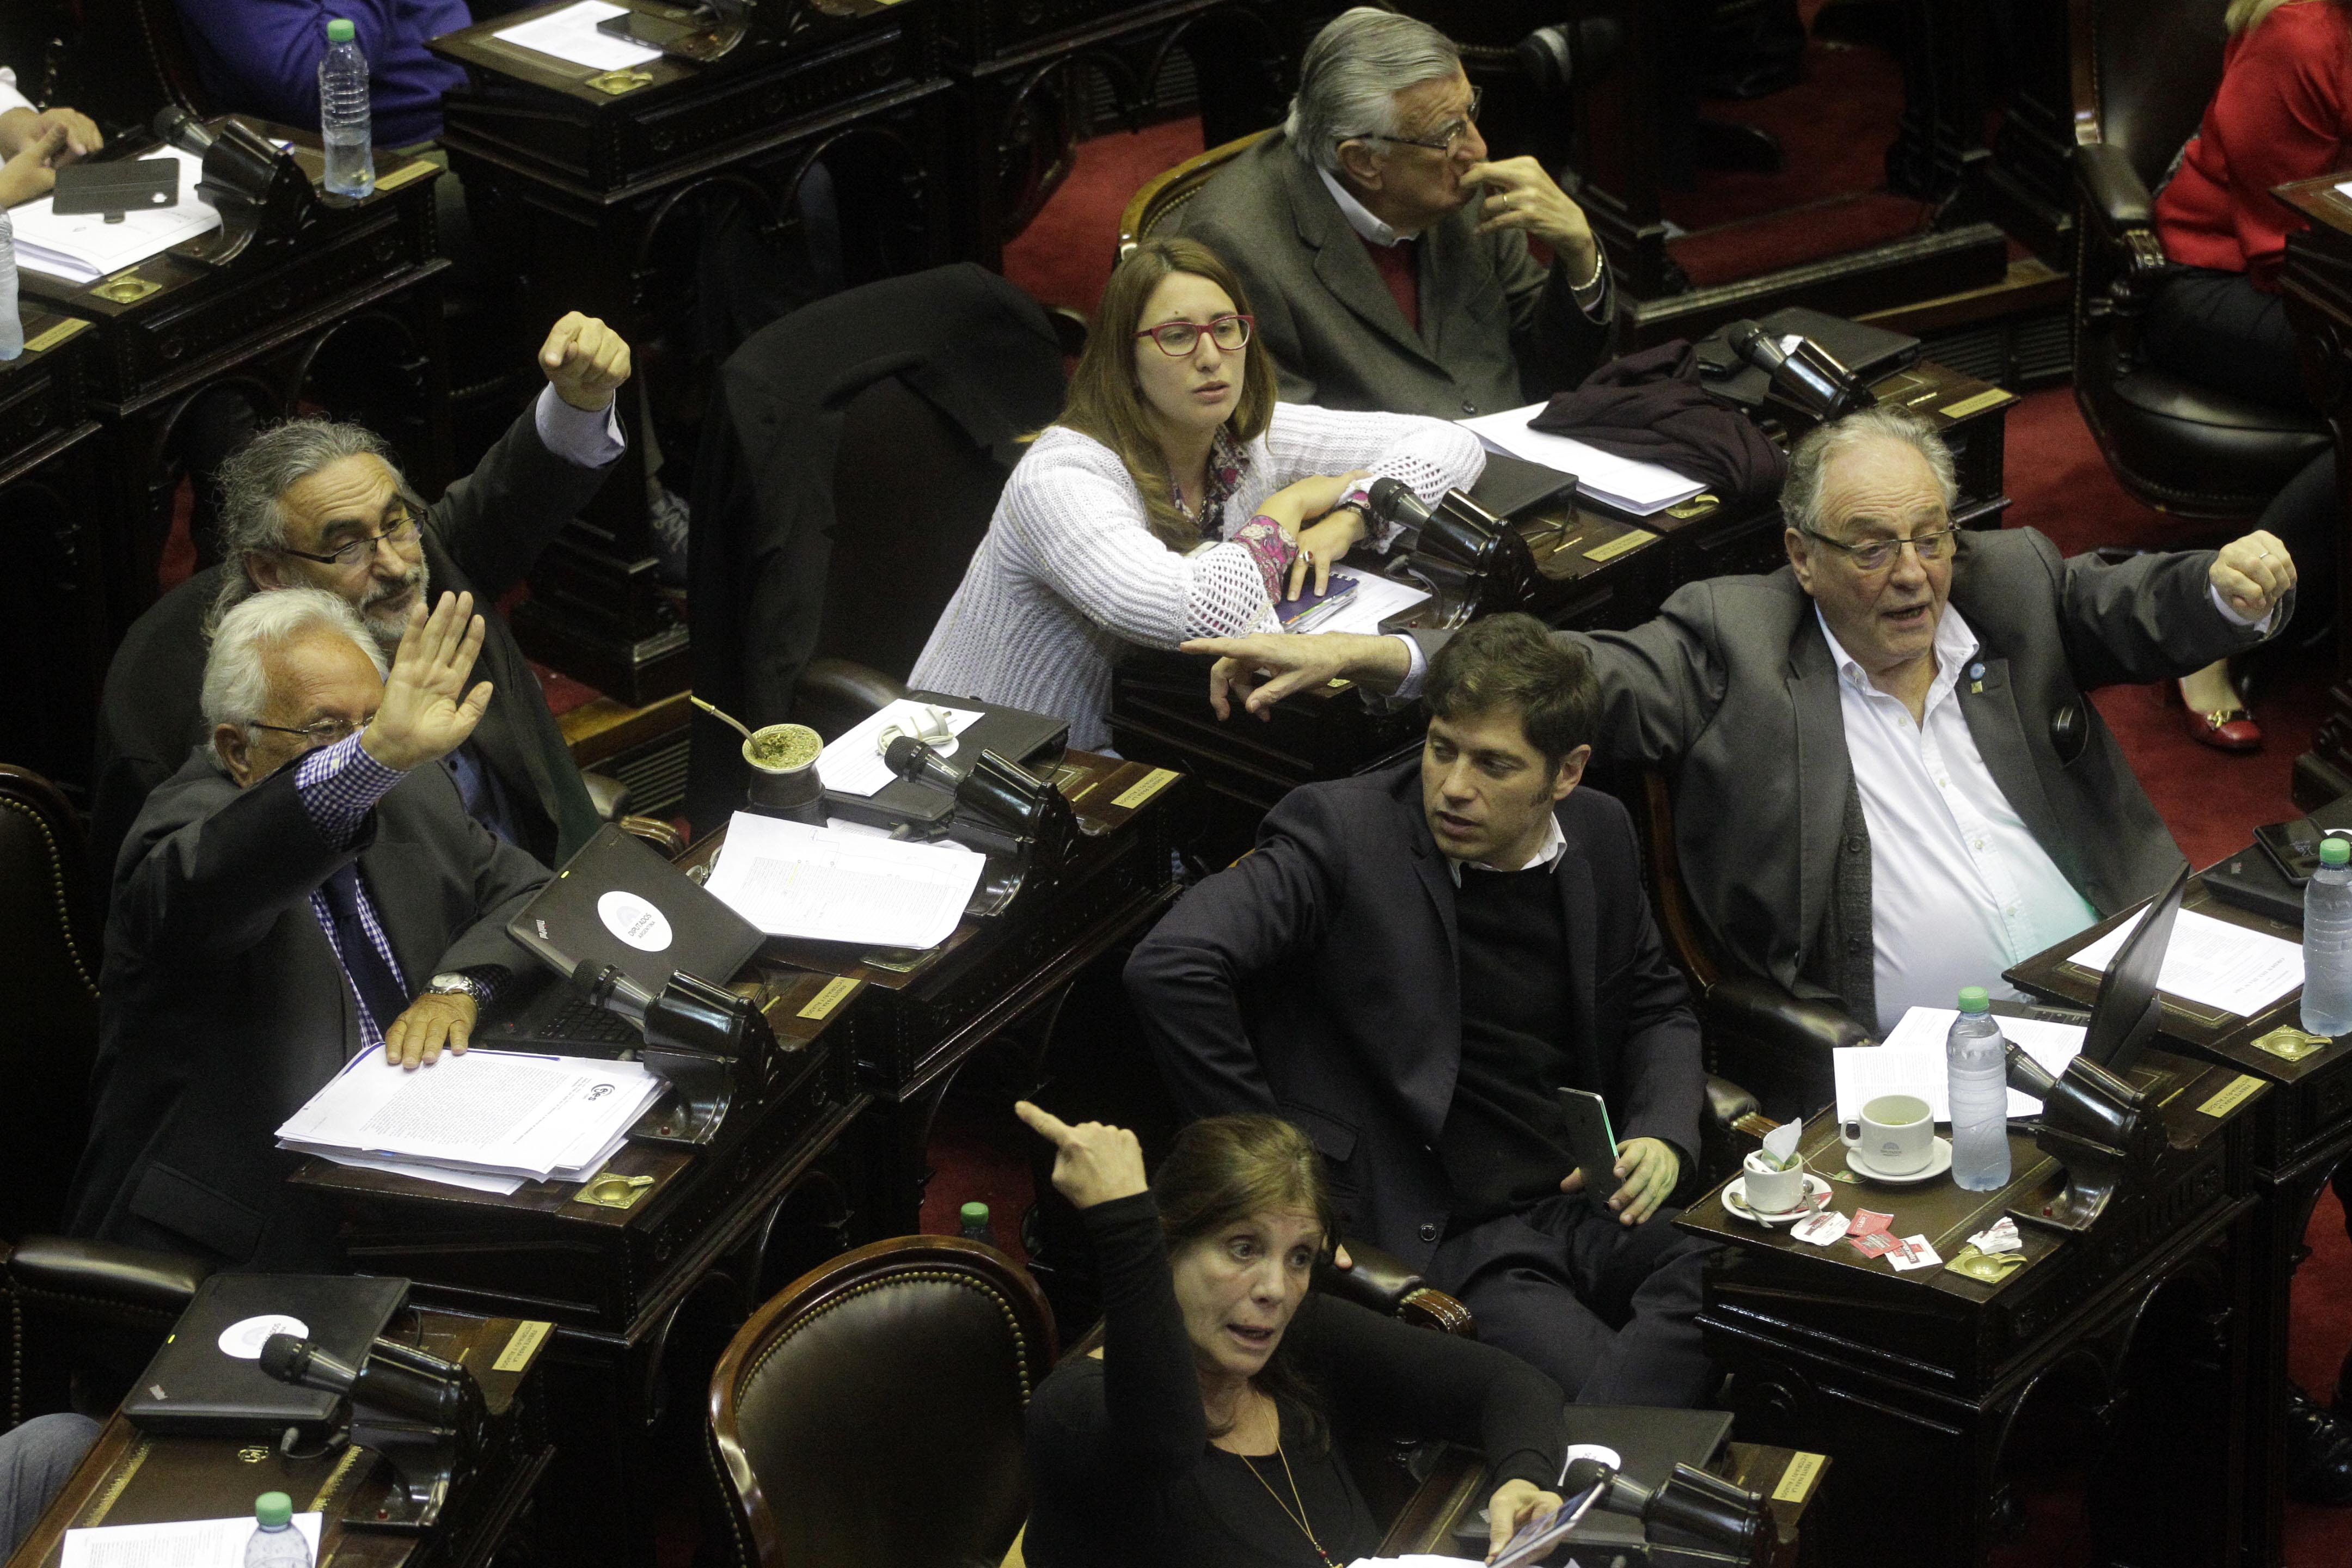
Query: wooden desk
x=1914, y=1382
x=348, y=318
x=598, y=189
x=129, y=1478
x=1457, y=1491
x=2297, y=1135
x=2316, y=284
x=707, y=1226
x=53, y=512
x=923, y=1015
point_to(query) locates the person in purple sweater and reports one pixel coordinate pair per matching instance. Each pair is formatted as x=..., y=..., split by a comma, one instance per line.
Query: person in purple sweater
x=261, y=57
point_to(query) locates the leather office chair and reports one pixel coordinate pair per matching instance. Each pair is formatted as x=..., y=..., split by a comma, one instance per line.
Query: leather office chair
x=137, y=60
x=872, y=1411
x=2144, y=72
x=87, y=1307
x=1159, y=196
x=48, y=999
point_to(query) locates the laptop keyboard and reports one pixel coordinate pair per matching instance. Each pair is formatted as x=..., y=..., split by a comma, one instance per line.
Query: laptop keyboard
x=586, y=1022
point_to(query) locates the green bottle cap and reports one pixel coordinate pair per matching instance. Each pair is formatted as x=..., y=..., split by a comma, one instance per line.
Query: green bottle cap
x=974, y=1214
x=340, y=31
x=274, y=1510
x=1974, y=999
x=2335, y=852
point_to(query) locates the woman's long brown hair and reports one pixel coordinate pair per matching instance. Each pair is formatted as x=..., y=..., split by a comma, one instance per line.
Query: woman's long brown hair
x=1106, y=403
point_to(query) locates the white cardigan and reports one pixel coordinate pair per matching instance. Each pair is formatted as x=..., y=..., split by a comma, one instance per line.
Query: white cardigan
x=1069, y=574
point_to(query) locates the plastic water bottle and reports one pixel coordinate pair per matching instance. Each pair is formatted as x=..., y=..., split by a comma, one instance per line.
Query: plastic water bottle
x=343, y=112
x=275, y=1542
x=2328, y=943
x=12, y=325
x=975, y=1224
x=1976, y=1062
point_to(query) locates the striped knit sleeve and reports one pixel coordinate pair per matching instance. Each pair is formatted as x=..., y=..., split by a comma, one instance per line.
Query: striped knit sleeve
x=1075, y=519
x=1430, y=456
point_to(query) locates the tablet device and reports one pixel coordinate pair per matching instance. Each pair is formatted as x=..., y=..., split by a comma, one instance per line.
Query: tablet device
x=1591, y=1143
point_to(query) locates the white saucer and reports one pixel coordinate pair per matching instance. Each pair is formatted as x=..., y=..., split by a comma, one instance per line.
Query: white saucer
x=1940, y=1160
x=1735, y=1198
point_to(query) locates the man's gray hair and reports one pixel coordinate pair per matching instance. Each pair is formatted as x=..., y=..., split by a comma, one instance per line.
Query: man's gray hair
x=253, y=481
x=1353, y=71
x=237, y=672
x=1810, y=460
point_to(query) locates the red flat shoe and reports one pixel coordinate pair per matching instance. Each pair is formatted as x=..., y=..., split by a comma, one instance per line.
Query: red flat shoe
x=2225, y=730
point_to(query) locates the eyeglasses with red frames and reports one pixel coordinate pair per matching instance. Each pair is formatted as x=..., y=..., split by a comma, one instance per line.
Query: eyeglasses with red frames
x=1178, y=339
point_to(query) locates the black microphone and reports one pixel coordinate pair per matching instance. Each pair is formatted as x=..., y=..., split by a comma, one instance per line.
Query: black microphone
x=1808, y=376
x=1583, y=1475
x=1754, y=344
x=1691, y=1499
x=395, y=1378
x=916, y=762
x=1393, y=502
x=178, y=128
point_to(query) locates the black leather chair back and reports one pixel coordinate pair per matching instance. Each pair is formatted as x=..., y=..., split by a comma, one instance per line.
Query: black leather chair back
x=134, y=56
x=872, y=1411
x=2154, y=65
x=48, y=1000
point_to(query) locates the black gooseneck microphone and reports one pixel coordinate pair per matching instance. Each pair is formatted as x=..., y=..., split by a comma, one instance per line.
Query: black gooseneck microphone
x=1691, y=1499
x=395, y=1378
x=1808, y=378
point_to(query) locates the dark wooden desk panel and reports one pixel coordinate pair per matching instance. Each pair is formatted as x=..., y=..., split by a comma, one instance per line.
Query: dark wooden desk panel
x=53, y=517
x=129, y=1478
x=2297, y=1135
x=599, y=201
x=1913, y=1383
x=923, y=1015
x=349, y=317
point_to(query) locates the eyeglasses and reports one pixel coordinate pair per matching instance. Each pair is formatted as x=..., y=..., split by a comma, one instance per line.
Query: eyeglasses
x=1178, y=339
x=351, y=552
x=316, y=736
x=1879, y=554
x=1446, y=140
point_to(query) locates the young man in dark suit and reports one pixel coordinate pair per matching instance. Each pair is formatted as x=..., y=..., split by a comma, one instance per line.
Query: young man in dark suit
x=1410, y=964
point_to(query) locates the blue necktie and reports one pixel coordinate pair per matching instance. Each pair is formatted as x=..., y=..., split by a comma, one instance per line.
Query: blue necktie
x=378, y=985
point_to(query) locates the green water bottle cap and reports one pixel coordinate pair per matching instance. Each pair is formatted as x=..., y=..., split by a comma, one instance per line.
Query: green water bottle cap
x=974, y=1214
x=340, y=31
x=1974, y=999
x=2334, y=852
x=274, y=1510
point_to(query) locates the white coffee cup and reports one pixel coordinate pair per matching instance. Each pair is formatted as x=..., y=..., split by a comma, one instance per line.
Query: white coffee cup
x=1896, y=1135
x=1770, y=1191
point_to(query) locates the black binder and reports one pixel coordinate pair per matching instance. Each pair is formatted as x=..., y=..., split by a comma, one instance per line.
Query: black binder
x=194, y=1388
x=662, y=922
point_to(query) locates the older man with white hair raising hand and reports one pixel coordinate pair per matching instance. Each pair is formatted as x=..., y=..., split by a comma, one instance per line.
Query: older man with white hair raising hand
x=307, y=889
x=1889, y=779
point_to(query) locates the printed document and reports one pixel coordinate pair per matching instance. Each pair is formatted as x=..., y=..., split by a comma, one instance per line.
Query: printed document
x=181, y=1543
x=1911, y=1061
x=792, y=879
x=2213, y=962
x=571, y=35
x=1627, y=484
x=852, y=765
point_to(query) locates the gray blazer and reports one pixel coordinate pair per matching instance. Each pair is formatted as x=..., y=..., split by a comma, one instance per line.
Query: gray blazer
x=1733, y=678
x=1498, y=331
x=224, y=1009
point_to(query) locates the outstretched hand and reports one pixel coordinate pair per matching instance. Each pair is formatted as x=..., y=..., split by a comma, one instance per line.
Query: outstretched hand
x=1260, y=672
x=426, y=711
x=1093, y=1164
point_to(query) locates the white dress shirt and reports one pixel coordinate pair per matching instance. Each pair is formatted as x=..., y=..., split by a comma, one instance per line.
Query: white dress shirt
x=1959, y=887
x=1555, y=845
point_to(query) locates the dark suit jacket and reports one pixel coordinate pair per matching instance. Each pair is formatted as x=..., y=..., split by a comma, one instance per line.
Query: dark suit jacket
x=1317, y=980
x=1497, y=330
x=224, y=1009
x=1733, y=689
x=481, y=537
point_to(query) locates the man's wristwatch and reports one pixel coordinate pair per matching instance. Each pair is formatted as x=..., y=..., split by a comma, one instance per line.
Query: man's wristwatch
x=455, y=983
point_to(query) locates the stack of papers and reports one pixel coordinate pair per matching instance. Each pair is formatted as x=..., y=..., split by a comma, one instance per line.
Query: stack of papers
x=488, y=1120
x=1911, y=1061
x=87, y=247
x=571, y=35
x=852, y=764
x=178, y=1543
x=1374, y=599
x=792, y=879
x=2212, y=962
x=1625, y=483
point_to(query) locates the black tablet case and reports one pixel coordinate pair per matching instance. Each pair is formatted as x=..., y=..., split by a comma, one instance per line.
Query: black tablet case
x=195, y=1389
x=561, y=923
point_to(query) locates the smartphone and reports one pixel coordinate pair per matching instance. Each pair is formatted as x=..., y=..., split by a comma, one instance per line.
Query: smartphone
x=1535, y=1541
x=2293, y=847
x=1591, y=1143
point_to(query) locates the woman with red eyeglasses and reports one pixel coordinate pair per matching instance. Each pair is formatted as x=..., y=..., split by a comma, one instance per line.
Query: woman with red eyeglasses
x=1174, y=498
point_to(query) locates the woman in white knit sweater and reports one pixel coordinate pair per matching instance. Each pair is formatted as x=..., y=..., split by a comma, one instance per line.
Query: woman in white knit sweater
x=1174, y=498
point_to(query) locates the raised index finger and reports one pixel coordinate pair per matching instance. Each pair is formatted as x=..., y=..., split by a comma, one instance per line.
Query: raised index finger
x=1043, y=1122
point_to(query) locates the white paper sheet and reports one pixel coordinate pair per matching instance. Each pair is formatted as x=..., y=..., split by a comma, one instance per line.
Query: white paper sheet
x=1911, y=1061
x=472, y=1180
x=182, y=1543
x=2213, y=962
x=503, y=1112
x=85, y=247
x=792, y=879
x=1376, y=598
x=851, y=765
x=570, y=35
x=1624, y=483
